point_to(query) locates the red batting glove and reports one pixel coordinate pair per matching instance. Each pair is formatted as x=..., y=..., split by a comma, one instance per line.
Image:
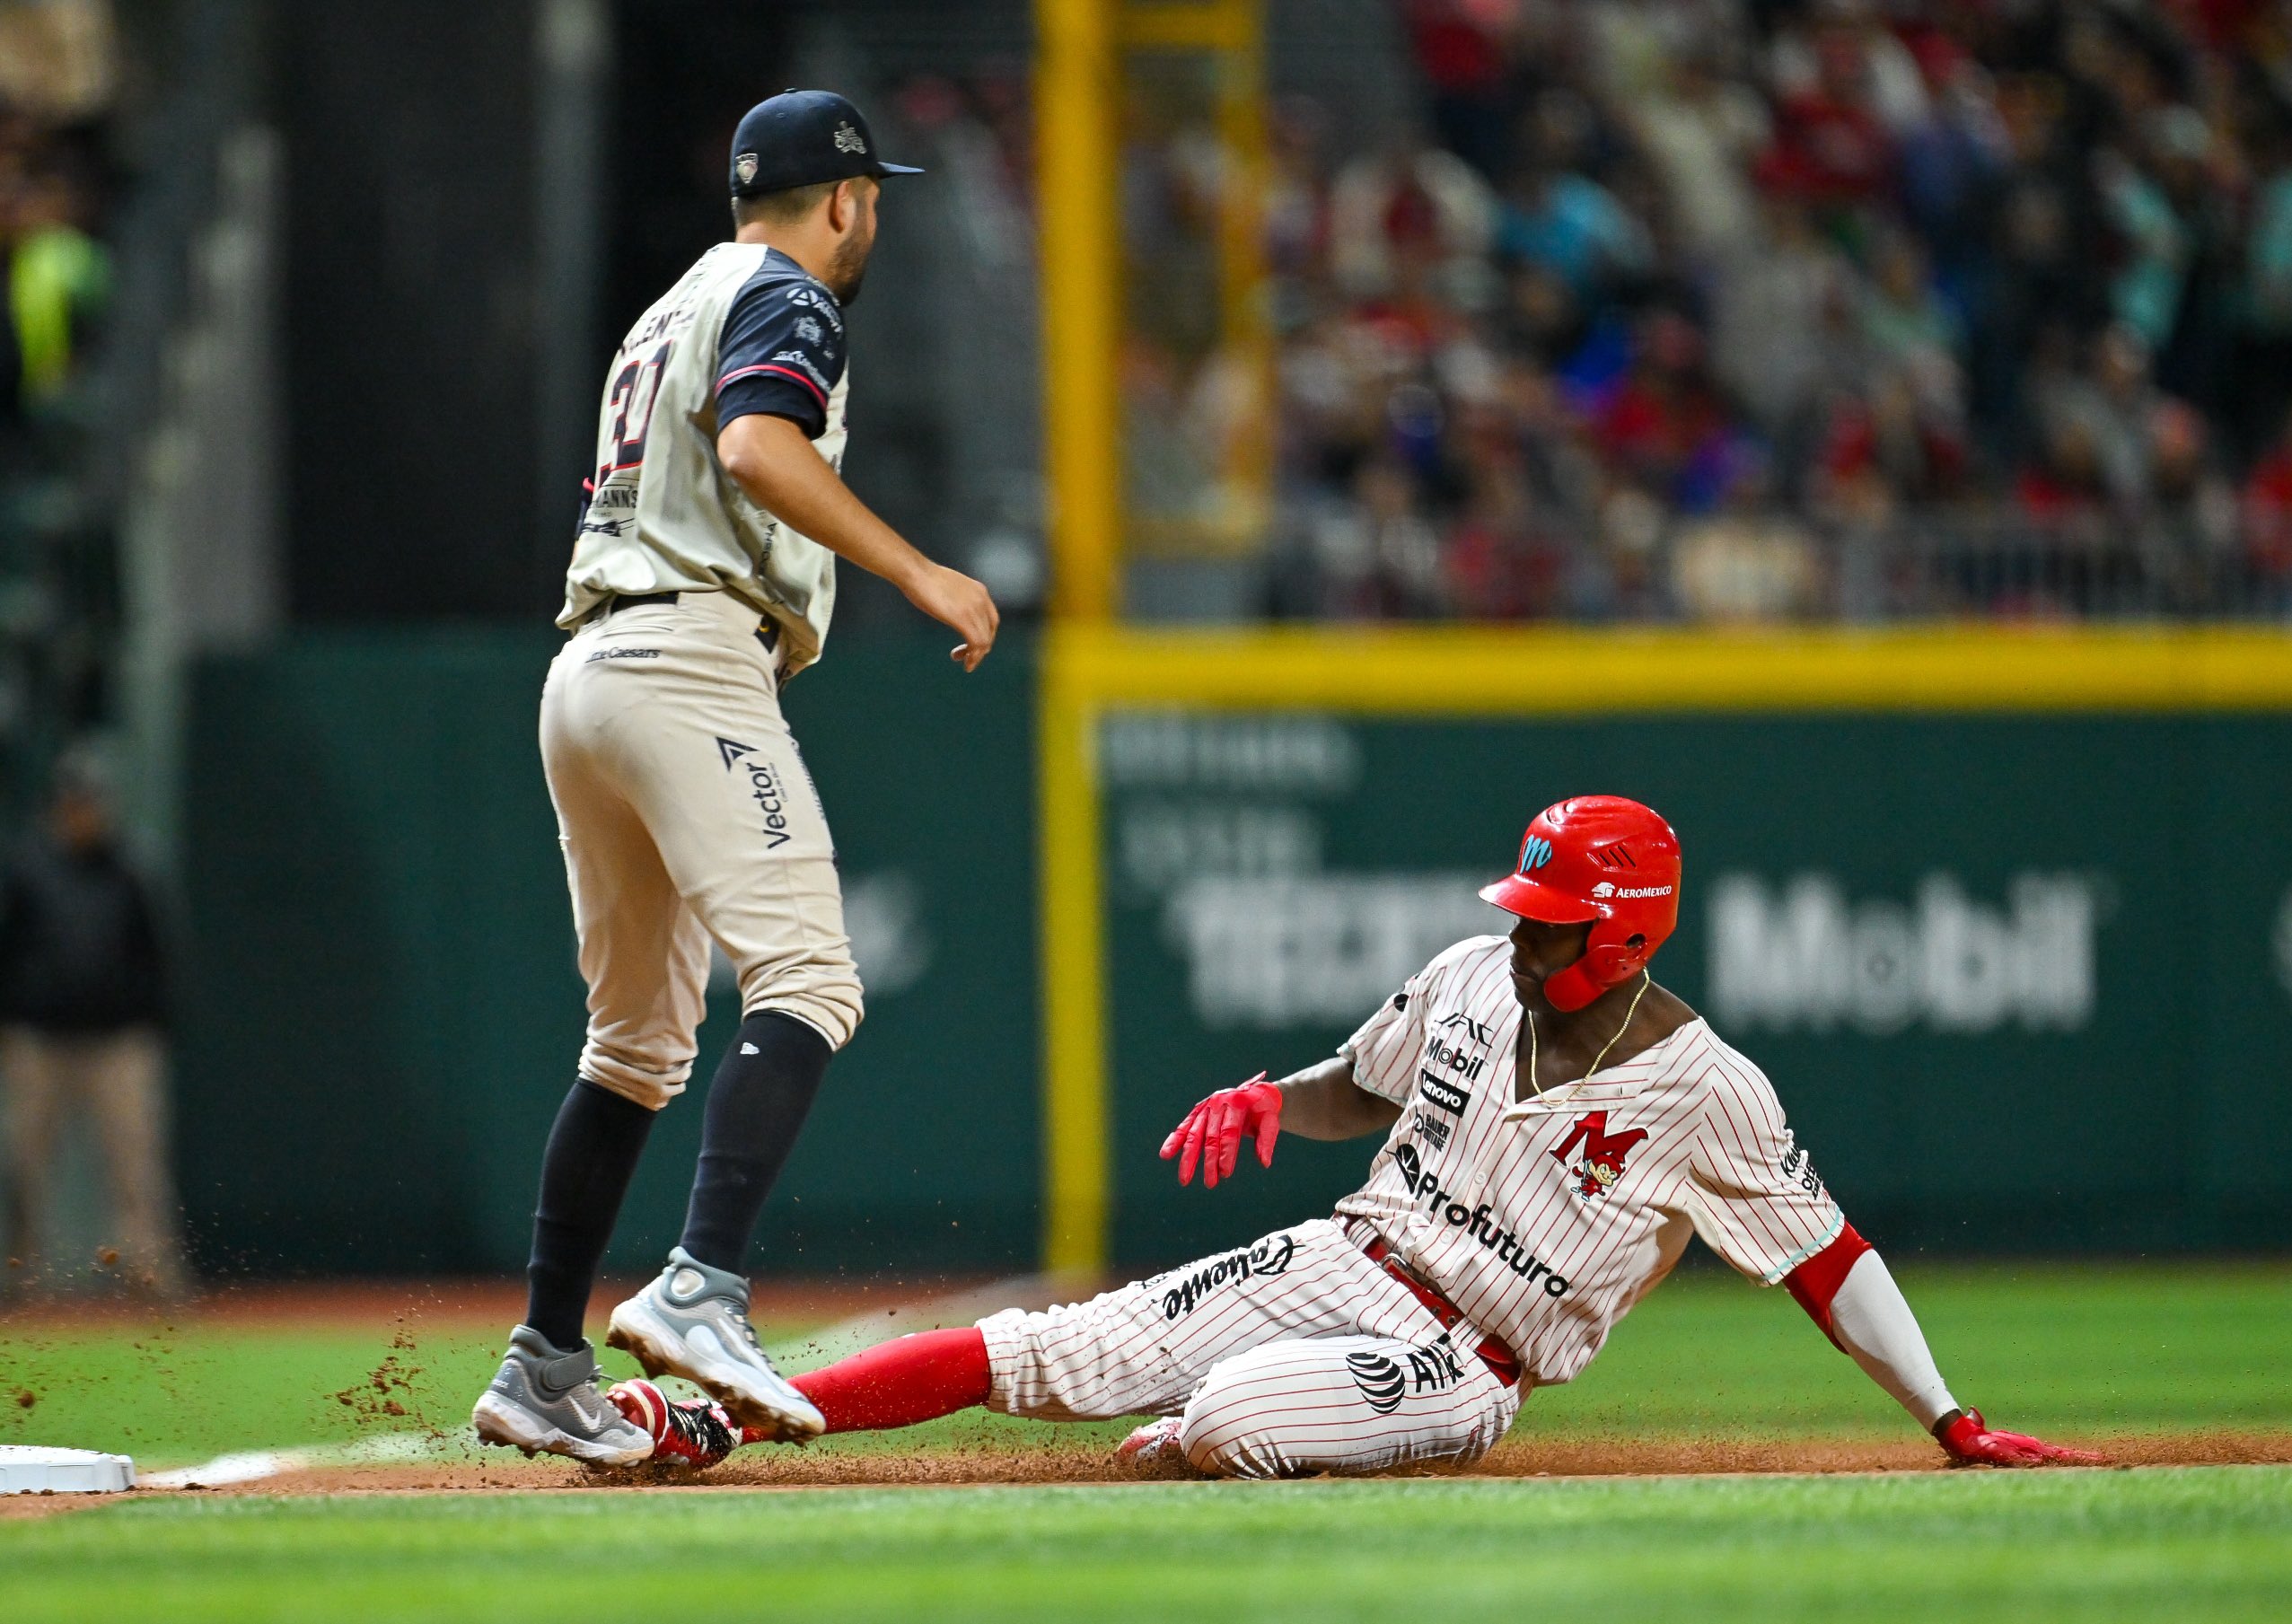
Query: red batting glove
x=1969, y=1441
x=1213, y=1131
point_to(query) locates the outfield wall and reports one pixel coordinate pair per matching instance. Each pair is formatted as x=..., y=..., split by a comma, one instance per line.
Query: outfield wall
x=382, y=1009
x=2021, y=982
x=2020, y=969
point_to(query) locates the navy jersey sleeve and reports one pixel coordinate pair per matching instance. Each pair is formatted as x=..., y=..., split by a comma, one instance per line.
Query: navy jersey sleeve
x=782, y=352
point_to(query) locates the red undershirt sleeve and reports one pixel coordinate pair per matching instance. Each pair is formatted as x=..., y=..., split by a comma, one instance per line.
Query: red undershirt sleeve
x=1815, y=1282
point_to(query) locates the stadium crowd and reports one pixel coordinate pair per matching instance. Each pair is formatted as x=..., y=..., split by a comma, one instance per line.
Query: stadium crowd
x=1771, y=309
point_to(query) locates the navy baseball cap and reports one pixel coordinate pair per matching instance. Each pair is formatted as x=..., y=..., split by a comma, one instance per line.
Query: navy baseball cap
x=800, y=139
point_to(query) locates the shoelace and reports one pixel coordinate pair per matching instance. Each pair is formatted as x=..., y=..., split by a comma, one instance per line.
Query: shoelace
x=738, y=1315
x=748, y=1331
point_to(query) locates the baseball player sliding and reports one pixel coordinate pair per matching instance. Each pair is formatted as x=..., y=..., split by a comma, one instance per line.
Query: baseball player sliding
x=702, y=579
x=1556, y=1127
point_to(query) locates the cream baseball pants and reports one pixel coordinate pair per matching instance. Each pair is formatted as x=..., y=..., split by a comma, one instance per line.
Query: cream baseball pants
x=686, y=815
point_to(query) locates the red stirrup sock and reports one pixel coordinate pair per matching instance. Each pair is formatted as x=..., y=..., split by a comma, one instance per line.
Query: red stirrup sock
x=902, y=1382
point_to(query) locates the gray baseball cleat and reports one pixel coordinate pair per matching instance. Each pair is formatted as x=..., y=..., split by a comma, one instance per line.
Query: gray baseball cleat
x=545, y=1399
x=692, y=1322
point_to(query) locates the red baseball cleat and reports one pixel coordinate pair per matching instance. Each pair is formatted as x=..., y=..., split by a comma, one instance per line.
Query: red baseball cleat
x=696, y=1435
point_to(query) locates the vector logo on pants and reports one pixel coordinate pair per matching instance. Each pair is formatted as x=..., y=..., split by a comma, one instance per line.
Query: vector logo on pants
x=763, y=788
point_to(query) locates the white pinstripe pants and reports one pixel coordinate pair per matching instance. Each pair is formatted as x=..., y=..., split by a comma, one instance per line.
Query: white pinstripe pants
x=1292, y=1356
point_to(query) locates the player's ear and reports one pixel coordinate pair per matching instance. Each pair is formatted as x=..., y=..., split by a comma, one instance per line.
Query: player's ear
x=843, y=206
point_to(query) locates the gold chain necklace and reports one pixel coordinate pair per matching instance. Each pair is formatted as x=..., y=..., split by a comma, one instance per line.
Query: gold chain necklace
x=1646, y=980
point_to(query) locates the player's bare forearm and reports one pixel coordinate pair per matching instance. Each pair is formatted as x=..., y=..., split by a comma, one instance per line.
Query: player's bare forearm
x=1323, y=1102
x=773, y=461
x=781, y=473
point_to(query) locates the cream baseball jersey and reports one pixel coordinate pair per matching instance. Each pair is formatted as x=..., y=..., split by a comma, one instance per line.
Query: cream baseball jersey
x=746, y=329
x=1544, y=1220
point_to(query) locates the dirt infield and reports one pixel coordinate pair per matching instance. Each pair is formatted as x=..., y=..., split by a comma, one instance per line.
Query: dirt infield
x=790, y=1469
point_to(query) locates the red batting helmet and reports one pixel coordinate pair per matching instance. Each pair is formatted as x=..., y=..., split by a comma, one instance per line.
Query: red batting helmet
x=1605, y=860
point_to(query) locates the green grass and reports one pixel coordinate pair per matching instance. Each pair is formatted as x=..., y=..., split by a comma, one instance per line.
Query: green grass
x=169, y=1397
x=2083, y=1348
x=2188, y=1544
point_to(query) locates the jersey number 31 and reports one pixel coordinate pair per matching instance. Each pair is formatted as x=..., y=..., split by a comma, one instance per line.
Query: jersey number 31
x=635, y=389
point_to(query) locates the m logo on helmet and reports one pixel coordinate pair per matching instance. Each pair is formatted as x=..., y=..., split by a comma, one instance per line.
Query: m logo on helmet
x=1629, y=920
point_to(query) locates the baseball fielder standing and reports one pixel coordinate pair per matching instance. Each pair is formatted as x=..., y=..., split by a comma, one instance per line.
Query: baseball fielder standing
x=1557, y=1127
x=703, y=578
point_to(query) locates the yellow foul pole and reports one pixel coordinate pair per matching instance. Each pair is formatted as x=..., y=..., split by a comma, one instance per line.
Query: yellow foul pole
x=1078, y=102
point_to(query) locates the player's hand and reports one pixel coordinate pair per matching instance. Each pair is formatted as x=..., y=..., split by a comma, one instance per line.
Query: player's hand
x=1969, y=1441
x=953, y=599
x=1213, y=1131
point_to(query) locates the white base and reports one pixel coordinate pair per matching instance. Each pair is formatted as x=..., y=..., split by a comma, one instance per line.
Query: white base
x=25, y=1471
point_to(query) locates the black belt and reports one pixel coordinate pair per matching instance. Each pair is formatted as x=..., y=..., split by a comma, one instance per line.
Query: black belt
x=618, y=602
x=768, y=630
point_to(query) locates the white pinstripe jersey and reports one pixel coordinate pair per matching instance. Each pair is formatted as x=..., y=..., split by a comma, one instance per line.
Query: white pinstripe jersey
x=1545, y=1222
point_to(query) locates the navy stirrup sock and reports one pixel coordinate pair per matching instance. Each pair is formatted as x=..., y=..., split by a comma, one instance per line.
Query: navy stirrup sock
x=593, y=1152
x=757, y=1104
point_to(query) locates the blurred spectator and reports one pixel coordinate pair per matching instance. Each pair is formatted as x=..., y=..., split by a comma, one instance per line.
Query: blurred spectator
x=59, y=59
x=2144, y=293
x=1401, y=218
x=2266, y=519
x=1703, y=134
x=58, y=279
x=1745, y=564
x=1843, y=51
x=2112, y=404
x=2267, y=371
x=1775, y=306
x=1460, y=51
x=2190, y=532
x=1832, y=90
x=1913, y=333
x=82, y=1017
x=1559, y=217
x=1376, y=557
x=1662, y=425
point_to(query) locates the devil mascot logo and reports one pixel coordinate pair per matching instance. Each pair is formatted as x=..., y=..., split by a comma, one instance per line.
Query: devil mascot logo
x=1601, y=1162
